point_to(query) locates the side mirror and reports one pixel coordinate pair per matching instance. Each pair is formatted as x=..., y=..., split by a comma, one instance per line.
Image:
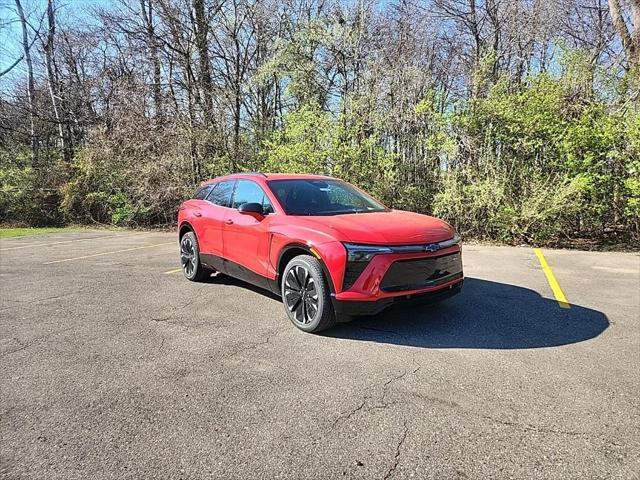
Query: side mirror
x=251, y=209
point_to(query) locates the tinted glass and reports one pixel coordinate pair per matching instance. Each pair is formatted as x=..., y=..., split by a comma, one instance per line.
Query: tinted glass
x=322, y=197
x=221, y=194
x=250, y=192
x=202, y=192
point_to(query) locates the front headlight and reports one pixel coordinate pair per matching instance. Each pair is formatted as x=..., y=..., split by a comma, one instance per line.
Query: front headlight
x=450, y=243
x=364, y=253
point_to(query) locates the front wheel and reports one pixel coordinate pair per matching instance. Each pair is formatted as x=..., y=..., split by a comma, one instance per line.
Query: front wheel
x=306, y=296
x=190, y=258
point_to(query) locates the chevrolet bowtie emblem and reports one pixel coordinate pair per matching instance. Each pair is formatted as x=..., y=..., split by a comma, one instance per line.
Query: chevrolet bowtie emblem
x=432, y=247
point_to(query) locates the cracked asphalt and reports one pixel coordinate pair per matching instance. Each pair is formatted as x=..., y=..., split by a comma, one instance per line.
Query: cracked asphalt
x=112, y=368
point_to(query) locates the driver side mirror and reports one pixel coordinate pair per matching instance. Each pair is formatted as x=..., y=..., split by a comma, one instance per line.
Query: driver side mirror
x=251, y=208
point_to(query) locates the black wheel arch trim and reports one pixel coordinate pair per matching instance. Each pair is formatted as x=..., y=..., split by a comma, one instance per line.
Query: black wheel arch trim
x=183, y=225
x=306, y=248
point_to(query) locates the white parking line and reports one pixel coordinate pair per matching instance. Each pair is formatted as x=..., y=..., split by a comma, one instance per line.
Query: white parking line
x=107, y=253
x=73, y=240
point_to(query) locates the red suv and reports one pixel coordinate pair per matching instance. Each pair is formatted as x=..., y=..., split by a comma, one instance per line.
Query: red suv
x=326, y=247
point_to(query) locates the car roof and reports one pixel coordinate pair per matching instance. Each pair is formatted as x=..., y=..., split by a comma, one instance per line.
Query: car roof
x=268, y=176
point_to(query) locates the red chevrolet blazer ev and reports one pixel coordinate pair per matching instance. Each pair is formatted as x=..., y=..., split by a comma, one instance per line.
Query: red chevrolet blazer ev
x=326, y=247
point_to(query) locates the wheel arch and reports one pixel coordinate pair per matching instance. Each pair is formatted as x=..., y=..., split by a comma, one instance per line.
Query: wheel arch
x=293, y=250
x=184, y=228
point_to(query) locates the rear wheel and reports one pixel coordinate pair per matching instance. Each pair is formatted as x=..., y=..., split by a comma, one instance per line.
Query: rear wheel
x=190, y=258
x=306, y=296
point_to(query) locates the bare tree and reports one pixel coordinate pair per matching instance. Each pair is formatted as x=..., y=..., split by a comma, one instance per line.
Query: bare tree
x=48, y=47
x=26, y=46
x=630, y=36
x=146, y=9
x=201, y=27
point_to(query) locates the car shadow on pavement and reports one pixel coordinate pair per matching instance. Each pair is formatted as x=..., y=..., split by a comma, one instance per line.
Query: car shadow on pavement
x=220, y=279
x=486, y=315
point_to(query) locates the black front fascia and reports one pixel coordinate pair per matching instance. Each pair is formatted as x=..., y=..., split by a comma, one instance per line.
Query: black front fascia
x=352, y=272
x=420, y=273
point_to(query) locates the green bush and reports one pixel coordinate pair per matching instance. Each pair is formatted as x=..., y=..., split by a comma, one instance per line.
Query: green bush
x=27, y=195
x=485, y=208
x=127, y=185
x=548, y=158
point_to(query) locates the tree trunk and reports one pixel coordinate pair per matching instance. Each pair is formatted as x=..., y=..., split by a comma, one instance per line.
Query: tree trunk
x=202, y=45
x=152, y=45
x=635, y=35
x=51, y=78
x=630, y=40
x=30, y=83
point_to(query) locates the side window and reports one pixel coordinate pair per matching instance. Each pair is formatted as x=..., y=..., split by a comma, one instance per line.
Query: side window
x=250, y=192
x=221, y=193
x=202, y=192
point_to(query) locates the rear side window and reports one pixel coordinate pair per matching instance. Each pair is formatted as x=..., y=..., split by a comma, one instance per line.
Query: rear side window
x=250, y=192
x=221, y=193
x=202, y=192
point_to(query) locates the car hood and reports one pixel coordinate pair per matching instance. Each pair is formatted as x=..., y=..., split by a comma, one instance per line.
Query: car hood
x=391, y=227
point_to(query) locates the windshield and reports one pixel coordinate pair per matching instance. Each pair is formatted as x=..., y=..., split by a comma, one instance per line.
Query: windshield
x=322, y=197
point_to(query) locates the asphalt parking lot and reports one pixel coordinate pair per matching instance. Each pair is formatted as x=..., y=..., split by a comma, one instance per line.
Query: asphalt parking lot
x=112, y=366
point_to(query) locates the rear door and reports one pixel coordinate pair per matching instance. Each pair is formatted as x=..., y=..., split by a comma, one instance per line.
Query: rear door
x=214, y=211
x=192, y=210
x=245, y=237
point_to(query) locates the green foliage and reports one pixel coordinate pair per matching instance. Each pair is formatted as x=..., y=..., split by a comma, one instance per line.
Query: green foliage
x=137, y=184
x=537, y=161
x=544, y=161
x=313, y=141
x=16, y=180
x=123, y=210
x=24, y=232
x=29, y=195
x=488, y=208
x=305, y=144
x=297, y=60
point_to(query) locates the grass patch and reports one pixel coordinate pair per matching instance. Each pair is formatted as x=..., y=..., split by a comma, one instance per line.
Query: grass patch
x=22, y=232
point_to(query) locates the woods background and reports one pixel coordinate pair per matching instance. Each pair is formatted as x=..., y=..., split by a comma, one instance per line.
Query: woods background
x=515, y=120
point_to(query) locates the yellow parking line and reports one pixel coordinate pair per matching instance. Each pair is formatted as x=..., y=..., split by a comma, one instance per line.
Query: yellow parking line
x=553, y=283
x=70, y=241
x=108, y=253
x=173, y=271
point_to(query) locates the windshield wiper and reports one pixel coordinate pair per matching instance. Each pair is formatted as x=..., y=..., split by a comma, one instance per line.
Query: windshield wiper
x=342, y=212
x=323, y=213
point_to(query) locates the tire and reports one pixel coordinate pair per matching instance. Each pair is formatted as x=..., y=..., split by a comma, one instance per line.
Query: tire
x=305, y=295
x=190, y=259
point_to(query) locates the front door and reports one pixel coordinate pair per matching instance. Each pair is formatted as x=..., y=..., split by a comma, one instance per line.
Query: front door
x=245, y=237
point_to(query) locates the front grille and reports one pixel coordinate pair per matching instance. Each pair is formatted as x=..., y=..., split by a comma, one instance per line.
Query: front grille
x=352, y=272
x=422, y=273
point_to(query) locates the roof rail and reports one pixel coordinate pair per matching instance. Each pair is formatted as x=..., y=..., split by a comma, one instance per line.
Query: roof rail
x=248, y=173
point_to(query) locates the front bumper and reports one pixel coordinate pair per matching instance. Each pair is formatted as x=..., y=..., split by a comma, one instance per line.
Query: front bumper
x=392, y=274
x=373, y=307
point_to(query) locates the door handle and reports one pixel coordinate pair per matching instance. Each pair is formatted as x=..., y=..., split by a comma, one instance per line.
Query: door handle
x=197, y=214
x=228, y=221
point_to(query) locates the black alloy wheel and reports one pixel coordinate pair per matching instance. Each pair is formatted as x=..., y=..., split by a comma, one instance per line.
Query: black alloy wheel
x=306, y=296
x=190, y=258
x=300, y=294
